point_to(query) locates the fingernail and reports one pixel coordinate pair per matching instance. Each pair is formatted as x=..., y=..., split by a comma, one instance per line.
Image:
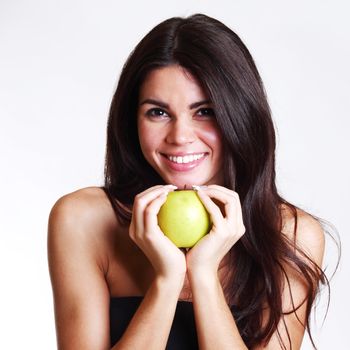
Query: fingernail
x=173, y=186
x=196, y=187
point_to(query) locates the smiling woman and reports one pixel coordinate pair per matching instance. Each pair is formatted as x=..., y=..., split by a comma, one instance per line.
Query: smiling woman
x=178, y=132
x=189, y=109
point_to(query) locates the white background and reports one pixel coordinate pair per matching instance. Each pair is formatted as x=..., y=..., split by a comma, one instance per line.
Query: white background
x=59, y=63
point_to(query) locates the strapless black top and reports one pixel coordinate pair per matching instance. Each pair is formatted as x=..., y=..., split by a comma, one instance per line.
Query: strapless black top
x=182, y=335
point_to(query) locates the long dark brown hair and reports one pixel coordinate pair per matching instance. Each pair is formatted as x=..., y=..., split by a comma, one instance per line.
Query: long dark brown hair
x=220, y=61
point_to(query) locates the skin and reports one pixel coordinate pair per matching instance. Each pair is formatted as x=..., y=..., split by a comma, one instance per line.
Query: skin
x=179, y=128
x=90, y=251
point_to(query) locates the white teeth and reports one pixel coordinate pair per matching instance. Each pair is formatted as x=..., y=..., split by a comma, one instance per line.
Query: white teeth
x=186, y=159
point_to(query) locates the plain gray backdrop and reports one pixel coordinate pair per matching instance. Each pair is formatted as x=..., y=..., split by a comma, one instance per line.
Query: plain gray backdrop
x=59, y=64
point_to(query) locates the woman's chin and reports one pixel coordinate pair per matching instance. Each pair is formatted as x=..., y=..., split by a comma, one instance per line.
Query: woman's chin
x=184, y=187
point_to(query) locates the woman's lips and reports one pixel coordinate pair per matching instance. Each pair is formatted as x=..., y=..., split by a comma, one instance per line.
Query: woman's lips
x=184, y=166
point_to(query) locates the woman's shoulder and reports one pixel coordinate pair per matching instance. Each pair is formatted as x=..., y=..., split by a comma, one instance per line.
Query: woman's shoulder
x=87, y=195
x=85, y=205
x=84, y=223
x=306, y=230
x=86, y=210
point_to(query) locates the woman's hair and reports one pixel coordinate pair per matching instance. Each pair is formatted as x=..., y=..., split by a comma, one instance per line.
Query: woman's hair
x=222, y=64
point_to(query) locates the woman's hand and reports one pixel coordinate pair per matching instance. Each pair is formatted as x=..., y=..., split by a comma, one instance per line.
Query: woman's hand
x=167, y=260
x=227, y=229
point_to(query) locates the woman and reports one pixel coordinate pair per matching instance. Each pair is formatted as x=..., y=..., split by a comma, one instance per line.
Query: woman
x=189, y=109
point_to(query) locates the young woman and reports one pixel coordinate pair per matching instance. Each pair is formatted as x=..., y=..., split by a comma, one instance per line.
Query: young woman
x=189, y=109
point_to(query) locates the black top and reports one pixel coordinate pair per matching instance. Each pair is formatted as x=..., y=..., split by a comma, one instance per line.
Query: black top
x=182, y=335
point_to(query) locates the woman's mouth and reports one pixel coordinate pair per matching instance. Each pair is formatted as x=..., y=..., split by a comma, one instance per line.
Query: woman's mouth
x=184, y=162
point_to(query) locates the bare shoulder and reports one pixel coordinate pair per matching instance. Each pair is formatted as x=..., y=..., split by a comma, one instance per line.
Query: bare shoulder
x=306, y=232
x=84, y=206
x=309, y=234
x=83, y=218
x=80, y=225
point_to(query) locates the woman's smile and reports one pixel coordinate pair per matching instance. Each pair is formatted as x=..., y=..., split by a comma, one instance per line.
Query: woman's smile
x=184, y=162
x=177, y=128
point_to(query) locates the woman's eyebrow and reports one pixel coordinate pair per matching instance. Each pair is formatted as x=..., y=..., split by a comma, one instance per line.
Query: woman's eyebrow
x=199, y=103
x=151, y=101
x=165, y=105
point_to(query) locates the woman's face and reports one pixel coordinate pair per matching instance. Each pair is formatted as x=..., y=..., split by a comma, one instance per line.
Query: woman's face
x=177, y=129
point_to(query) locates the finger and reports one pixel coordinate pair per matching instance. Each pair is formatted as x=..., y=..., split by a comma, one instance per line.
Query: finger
x=213, y=209
x=222, y=189
x=235, y=195
x=150, y=214
x=237, y=217
x=141, y=194
x=142, y=199
x=141, y=202
x=228, y=199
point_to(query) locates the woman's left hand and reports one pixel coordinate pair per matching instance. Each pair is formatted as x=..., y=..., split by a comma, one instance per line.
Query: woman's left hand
x=227, y=229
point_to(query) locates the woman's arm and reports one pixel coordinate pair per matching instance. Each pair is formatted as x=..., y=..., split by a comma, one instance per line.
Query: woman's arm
x=81, y=294
x=215, y=324
x=151, y=324
x=216, y=327
x=309, y=237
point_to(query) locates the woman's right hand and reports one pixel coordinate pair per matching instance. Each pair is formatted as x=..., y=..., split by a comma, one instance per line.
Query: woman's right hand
x=168, y=261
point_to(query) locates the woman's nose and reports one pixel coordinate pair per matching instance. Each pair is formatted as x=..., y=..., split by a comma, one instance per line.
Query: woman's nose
x=180, y=132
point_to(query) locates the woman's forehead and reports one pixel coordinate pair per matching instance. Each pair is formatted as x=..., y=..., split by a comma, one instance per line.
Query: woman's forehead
x=166, y=81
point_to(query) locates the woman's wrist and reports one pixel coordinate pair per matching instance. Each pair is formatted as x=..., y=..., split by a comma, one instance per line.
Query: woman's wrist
x=169, y=284
x=202, y=272
x=203, y=278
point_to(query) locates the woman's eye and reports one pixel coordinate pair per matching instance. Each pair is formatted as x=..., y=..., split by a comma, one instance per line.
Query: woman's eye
x=156, y=112
x=206, y=112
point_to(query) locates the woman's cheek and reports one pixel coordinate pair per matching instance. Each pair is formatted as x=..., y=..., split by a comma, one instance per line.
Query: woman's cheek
x=212, y=136
x=149, y=139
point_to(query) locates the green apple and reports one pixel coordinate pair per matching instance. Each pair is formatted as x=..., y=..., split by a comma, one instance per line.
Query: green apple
x=183, y=218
